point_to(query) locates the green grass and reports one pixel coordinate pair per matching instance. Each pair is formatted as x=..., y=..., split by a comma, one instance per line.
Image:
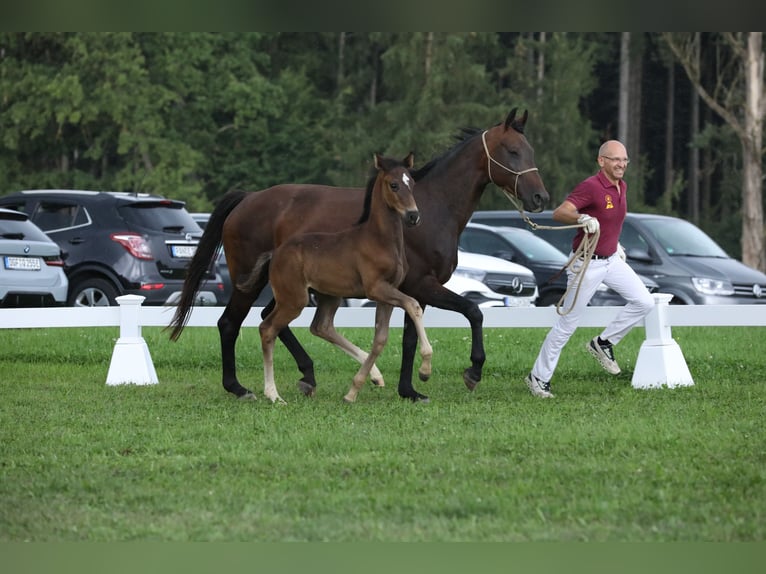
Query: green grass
x=183, y=460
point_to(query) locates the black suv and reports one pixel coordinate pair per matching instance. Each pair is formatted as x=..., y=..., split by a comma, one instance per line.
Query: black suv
x=117, y=243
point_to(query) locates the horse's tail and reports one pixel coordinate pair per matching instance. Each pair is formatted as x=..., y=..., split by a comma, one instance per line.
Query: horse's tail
x=203, y=257
x=261, y=266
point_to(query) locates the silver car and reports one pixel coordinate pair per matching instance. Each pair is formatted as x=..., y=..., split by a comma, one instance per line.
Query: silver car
x=31, y=268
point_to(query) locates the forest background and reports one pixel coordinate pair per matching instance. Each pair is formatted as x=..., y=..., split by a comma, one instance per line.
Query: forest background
x=193, y=115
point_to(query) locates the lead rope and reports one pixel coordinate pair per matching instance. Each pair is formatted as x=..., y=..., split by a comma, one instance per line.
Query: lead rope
x=584, y=251
x=587, y=246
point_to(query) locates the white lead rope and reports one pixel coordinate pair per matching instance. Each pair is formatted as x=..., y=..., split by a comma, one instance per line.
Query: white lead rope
x=584, y=251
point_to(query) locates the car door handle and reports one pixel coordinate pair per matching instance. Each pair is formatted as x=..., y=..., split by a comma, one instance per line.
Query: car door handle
x=76, y=240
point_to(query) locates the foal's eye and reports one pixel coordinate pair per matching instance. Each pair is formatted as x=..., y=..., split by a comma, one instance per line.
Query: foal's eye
x=395, y=186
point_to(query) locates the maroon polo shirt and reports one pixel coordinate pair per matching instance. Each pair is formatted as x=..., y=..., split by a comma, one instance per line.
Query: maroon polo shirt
x=599, y=198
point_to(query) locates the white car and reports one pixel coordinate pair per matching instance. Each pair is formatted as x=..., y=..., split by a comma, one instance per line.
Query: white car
x=31, y=268
x=514, y=282
x=487, y=281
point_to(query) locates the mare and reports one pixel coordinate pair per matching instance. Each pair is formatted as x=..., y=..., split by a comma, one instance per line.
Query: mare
x=448, y=190
x=365, y=260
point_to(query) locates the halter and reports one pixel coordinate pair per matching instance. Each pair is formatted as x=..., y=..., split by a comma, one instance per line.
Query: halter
x=514, y=196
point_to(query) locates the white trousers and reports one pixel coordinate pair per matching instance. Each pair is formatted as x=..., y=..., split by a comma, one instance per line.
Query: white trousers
x=614, y=273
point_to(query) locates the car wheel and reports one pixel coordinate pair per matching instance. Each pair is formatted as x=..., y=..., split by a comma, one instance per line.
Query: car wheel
x=93, y=292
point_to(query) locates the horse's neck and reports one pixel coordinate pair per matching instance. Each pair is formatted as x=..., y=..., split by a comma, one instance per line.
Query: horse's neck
x=452, y=190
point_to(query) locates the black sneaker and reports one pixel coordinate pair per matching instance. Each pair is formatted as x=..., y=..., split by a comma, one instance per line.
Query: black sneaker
x=537, y=387
x=605, y=355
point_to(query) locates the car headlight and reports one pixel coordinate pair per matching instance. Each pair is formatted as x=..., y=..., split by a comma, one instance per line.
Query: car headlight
x=708, y=286
x=476, y=274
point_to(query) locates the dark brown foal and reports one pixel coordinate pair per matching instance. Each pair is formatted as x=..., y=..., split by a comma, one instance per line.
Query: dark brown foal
x=366, y=260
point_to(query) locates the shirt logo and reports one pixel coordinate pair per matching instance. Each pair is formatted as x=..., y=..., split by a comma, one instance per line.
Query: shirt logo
x=609, y=204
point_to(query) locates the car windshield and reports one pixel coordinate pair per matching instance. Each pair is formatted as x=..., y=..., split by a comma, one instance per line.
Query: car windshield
x=535, y=248
x=678, y=237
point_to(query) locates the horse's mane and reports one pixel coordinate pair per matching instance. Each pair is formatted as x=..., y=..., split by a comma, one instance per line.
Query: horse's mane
x=368, y=197
x=464, y=136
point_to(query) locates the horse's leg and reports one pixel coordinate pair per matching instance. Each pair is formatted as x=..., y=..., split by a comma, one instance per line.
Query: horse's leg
x=382, y=320
x=269, y=329
x=307, y=384
x=409, y=344
x=443, y=298
x=322, y=326
x=431, y=292
x=415, y=312
x=229, y=325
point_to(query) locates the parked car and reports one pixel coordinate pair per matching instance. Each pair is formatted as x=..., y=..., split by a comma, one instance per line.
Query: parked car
x=545, y=260
x=117, y=243
x=32, y=272
x=504, y=277
x=487, y=281
x=472, y=289
x=679, y=256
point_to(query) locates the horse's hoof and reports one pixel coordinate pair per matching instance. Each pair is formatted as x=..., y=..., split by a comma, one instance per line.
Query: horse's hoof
x=248, y=396
x=378, y=382
x=417, y=398
x=306, y=389
x=424, y=376
x=469, y=381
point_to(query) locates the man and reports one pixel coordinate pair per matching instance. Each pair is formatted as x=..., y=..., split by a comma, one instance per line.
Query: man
x=597, y=203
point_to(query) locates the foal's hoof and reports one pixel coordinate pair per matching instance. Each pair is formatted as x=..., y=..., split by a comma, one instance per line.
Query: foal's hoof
x=378, y=382
x=469, y=380
x=307, y=389
x=424, y=376
x=248, y=396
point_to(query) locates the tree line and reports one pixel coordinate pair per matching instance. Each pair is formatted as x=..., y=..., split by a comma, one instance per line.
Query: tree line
x=194, y=115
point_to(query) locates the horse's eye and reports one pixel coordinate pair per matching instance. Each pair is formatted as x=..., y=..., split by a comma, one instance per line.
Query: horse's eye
x=394, y=186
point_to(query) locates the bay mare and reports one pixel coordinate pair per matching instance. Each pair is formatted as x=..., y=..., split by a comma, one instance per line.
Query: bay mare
x=365, y=260
x=448, y=190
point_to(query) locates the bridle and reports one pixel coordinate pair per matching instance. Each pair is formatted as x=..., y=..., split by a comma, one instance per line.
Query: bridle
x=587, y=245
x=513, y=196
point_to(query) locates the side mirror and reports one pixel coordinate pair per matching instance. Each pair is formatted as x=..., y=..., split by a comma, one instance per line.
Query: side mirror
x=638, y=255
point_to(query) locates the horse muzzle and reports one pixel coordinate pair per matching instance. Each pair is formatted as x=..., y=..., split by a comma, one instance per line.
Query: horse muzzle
x=412, y=218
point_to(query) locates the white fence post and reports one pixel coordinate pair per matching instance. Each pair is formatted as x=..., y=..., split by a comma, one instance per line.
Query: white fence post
x=131, y=362
x=660, y=361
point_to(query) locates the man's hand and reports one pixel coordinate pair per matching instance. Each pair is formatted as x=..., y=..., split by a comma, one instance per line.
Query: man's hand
x=590, y=224
x=621, y=252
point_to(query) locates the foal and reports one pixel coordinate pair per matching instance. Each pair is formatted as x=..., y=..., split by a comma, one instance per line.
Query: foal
x=366, y=260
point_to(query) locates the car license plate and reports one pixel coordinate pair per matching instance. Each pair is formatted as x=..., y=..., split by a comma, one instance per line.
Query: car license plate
x=187, y=251
x=23, y=263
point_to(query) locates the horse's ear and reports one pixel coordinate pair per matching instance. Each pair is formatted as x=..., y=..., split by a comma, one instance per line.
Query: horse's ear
x=409, y=161
x=517, y=123
x=376, y=160
x=510, y=118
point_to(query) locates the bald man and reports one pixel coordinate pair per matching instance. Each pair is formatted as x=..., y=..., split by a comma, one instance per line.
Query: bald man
x=597, y=203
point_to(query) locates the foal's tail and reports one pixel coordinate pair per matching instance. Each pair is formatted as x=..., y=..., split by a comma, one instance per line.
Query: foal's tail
x=261, y=266
x=203, y=257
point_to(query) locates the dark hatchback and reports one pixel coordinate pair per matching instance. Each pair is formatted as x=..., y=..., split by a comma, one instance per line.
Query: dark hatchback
x=679, y=256
x=117, y=243
x=543, y=258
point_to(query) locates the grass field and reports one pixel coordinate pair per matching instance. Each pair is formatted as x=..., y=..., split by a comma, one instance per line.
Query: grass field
x=184, y=461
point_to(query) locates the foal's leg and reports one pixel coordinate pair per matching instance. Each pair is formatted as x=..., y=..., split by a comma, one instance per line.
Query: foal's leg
x=382, y=320
x=269, y=329
x=322, y=326
x=426, y=351
x=389, y=294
